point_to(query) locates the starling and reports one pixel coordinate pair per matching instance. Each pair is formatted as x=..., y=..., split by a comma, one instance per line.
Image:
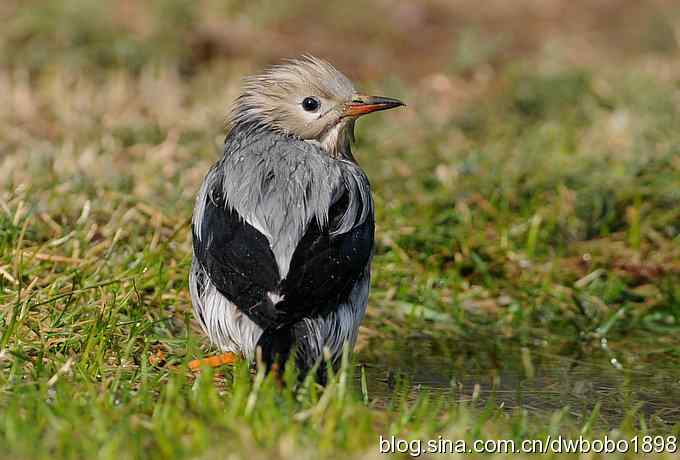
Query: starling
x=283, y=224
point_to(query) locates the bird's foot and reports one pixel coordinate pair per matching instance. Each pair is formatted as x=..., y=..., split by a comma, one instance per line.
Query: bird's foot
x=227, y=358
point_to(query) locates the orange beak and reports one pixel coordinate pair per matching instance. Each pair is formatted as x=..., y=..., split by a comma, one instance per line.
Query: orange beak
x=361, y=105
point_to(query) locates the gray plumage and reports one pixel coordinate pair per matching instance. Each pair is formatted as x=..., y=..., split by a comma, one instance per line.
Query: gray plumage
x=283, y=223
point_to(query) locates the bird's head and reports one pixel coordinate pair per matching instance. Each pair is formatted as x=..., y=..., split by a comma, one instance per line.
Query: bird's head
x=308, y=99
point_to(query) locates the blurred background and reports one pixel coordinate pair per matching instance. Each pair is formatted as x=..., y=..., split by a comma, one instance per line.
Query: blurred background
x=163, y=72
x=527, y=197
x=411, y=40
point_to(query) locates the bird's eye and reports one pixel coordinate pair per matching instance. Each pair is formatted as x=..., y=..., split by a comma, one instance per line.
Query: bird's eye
x=310, y=104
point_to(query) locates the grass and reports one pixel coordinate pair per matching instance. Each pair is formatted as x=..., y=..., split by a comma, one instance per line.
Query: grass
x=527, y=216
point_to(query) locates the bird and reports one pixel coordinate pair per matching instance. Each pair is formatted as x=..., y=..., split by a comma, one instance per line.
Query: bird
x=283, y=226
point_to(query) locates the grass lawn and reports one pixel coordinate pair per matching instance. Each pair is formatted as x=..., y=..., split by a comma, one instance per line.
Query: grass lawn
x=527, y=272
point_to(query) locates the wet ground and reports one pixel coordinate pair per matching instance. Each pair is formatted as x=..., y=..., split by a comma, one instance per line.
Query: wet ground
x=535, y=378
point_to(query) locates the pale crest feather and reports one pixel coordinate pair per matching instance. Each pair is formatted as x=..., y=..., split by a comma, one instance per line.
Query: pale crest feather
x=272, y=99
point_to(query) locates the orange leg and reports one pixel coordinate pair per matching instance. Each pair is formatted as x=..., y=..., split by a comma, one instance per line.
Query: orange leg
x=213, y=361
x=277, y=371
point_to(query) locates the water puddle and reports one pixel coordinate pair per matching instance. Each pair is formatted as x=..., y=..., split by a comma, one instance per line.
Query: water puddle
x=535, y=379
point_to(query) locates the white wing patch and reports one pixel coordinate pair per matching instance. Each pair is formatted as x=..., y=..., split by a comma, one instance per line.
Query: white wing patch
x=275, y=297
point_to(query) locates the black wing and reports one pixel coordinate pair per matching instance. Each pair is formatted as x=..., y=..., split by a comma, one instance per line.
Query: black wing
x=239, y=262
x=237, y=258
x=325, y=267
